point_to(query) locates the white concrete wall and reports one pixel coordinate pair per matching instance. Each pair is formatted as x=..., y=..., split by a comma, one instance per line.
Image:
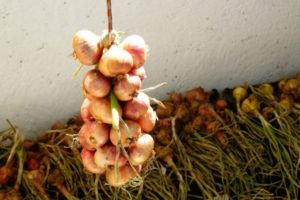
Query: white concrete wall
x=212, y=43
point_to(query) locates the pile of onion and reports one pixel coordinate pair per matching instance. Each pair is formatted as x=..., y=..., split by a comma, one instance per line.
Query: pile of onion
x=118, y=71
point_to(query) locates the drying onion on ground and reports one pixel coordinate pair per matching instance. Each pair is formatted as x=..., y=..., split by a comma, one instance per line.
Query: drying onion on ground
x=95, y=84
x=127, y=86
x=106, y=156
x=140, y=72
x=6, y=172
x=101, y=110
x=147, y=121
x=138, y=49
x=142, y=149
x=125, y=174
x=85, y=111
x=127, y=135
x=115, y=61
x=87, y=47
x=89, y=163
x=95, y=134
x=136, y=107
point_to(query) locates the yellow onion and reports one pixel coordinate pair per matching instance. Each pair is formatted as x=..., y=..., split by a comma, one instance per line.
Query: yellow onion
x=125, y=174
x=291, y=86
x=136, y=107
x=286, y=101
x=138, y=49
x=134, y=130
x=95, y=134
x=126, y=87
x=106, y=156
x=101, y=110
x=87, y=47
x=281, y=84
x=85, y=111
x=266, y=89
x=96, y=84
x=116, y=61
x=239, y=94
x=147, y=121
x=142, y=150
x=251, y=104
x=89, y=163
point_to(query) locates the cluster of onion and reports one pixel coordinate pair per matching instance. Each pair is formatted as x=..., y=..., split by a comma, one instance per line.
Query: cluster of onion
x=119, y=71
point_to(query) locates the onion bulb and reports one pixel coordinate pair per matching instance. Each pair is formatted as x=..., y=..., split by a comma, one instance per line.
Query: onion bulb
x=87, y=47
x=95, y=134
x=84, y=143
x=125, y=173
x=101, y=110
x=127, y=86
x=142, y=149
x=89, y=163
x=136, y=107
x=95, y=84
x=147, y=121
x=239, y=94
x=106, y=156
x=115, y=61
x=138, y=49
x=134, y=130
x=85, y=111
x=266, y=89
x=140, y=72
x=250, y=104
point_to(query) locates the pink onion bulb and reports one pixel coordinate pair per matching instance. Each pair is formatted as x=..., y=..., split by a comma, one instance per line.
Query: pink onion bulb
x=87, y=47
x=142, y=150
x=134, y=131
x=106, y=156
x=116, y=61
x=136, y=107
x=89, y=163
x=126, y=87
x=85, y=111
x=147, y=121
x=96, y=84
x=138, y=49
x=96, y=134
x=101, y=110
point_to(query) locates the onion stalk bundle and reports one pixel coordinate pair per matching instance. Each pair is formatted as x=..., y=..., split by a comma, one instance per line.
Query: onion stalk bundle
x=110, y=139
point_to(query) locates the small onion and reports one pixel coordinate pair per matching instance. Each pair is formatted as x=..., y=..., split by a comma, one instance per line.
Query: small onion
x=95, y=84
x=138, y=49
x=87, y=47
x=140, y=72
x=126, y=87
x=84, y=143
x=239, y=94
x=85, y=111
x=147, y=121
x=125, y=173
x=89, y=163
x=115, y=61
x=133, y=128
x=142, y=150
x=106, y=156
x=96, y=134
x=136, y=107
x=101, y=110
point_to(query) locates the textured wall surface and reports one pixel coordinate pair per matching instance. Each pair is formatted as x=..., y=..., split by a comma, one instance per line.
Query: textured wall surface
x=212, y=43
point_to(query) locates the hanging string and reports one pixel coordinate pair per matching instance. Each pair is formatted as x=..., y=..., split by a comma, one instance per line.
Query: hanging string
x=109, y=15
